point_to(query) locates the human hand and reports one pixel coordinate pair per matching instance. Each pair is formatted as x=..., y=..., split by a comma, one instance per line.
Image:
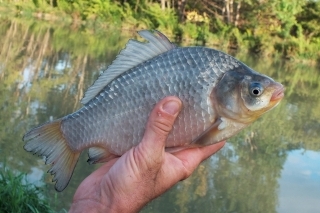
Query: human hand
x=128, y=183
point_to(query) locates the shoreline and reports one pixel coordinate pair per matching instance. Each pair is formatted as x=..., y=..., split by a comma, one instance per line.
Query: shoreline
x=211, y=39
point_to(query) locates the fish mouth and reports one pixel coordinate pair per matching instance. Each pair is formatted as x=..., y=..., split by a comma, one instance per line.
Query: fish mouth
x=278, y=94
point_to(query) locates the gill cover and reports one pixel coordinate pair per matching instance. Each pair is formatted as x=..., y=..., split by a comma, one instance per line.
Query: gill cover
x=226, y=94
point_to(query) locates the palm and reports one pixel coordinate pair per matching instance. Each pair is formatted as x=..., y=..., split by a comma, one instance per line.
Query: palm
x=122, y=173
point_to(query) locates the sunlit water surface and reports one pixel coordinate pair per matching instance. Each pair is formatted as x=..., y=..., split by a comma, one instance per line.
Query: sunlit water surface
x=272, y=166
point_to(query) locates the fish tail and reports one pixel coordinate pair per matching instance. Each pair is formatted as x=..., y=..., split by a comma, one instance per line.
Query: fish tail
x=47, y=140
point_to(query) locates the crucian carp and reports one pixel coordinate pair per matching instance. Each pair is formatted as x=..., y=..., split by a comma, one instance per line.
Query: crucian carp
x=220, y=96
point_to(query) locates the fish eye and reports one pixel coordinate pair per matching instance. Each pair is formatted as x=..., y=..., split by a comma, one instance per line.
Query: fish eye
x=256, y=89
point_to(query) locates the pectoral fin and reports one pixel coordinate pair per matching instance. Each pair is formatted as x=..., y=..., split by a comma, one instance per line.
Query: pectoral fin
x=220, y=130
x=209, y=136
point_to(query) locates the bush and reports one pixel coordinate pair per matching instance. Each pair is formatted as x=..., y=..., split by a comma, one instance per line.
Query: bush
x=19, y=197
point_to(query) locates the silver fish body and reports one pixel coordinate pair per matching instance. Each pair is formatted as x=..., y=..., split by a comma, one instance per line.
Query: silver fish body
x=220, y=96
x=116, y=117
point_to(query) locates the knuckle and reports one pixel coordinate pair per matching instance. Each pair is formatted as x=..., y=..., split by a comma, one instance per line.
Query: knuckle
x=186, y=174
x=186, y=171
x=162, y=125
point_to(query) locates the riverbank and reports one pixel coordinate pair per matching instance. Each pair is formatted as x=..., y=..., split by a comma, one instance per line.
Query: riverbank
x=275, y=36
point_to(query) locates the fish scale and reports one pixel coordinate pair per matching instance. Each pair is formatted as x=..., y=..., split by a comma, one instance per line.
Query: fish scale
x=143, y=84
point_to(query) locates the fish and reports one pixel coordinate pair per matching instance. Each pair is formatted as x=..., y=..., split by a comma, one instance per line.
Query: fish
x=220, y=96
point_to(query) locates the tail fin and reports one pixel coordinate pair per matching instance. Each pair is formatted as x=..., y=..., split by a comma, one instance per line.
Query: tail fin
x=47, y=140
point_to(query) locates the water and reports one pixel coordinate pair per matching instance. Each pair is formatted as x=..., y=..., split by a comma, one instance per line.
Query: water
x=272, y=166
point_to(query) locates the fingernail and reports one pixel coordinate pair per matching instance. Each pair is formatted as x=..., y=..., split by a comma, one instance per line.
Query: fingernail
x=171, y=107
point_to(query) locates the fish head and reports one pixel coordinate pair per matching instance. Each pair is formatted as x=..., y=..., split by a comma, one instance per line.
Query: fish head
x=244, y=95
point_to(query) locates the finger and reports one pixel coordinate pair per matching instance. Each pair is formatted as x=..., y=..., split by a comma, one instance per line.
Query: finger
x=159, y=125
x=207, y=151
x=191, y=158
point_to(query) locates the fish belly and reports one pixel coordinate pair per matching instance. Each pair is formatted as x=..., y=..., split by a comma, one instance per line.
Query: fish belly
x=115, y=119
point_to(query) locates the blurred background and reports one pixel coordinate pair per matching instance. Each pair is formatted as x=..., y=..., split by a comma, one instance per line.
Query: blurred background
x=52, y=51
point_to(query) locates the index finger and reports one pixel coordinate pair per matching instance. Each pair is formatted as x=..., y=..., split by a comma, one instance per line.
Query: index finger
x=191, y=158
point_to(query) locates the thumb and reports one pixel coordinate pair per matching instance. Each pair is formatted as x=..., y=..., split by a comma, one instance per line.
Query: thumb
x=159, y=125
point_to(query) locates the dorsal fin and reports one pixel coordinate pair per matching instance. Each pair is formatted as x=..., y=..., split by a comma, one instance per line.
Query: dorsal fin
x=134, y=53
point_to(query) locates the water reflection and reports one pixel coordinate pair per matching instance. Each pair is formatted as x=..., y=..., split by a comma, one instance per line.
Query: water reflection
x=45, y=69
x=300, y=182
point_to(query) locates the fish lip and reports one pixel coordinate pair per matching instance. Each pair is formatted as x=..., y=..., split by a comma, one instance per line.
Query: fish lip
x=278, y=93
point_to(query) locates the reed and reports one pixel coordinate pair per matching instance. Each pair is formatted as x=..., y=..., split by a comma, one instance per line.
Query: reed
x=17, y=195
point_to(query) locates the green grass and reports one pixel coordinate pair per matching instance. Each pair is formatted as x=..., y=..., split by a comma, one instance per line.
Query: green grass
x=19, y=196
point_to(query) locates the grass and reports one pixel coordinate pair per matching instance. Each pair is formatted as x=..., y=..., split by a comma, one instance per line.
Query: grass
x=19, y=196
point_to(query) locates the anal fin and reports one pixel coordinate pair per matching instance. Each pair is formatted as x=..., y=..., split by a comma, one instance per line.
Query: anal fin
x=99, y=155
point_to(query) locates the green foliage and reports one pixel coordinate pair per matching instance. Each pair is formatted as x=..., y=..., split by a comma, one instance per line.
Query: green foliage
x=271, y=28
x=286, y=12
x=164, y=20
x=19, y=197
x=309, y=18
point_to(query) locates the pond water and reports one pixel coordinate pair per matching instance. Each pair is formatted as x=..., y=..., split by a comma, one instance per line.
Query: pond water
x=272, y=166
